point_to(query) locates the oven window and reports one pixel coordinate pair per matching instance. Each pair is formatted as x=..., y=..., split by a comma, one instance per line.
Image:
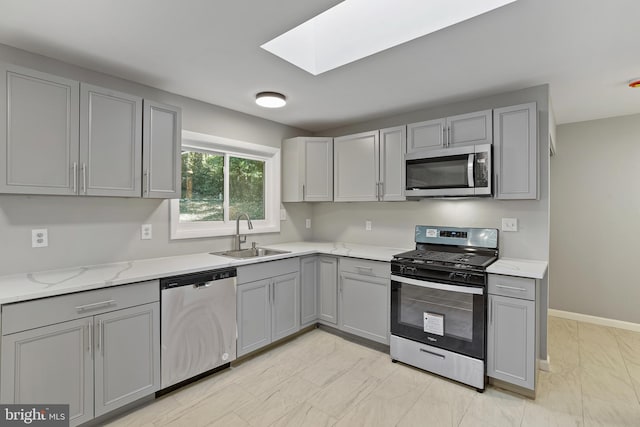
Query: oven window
x=440, y=172
x=453, y=309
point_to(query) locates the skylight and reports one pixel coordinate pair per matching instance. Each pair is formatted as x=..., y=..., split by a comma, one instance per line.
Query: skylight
x=355, y=29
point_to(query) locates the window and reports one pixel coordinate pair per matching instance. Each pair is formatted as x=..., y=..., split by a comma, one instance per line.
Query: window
x=222, y=178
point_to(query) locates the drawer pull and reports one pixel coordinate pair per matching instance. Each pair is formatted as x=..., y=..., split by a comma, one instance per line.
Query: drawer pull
x=95, y=305
x=513, y=288
x=359, y=267
x=442, y=356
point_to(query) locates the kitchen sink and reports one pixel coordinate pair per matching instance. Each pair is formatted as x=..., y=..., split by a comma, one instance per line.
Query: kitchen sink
x=250, y=253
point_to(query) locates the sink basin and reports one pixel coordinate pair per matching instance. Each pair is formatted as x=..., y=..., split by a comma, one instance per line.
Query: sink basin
x=250, y=253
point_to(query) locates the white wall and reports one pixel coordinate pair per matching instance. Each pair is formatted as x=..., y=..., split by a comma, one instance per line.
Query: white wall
x=94, y=230
x=393, y=223
x=594, y=218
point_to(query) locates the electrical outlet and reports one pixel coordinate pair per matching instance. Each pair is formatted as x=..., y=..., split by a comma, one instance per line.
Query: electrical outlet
x=509, y=224
x=367, y=225
x=283, y=215
x=39, y=238
x=146, y=232
x=307, y=222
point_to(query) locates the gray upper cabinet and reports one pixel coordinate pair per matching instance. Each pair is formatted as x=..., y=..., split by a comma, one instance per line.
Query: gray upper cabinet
x=426, y=135
x=307, y=169
x=161, y=145
x=110, y=142
x=38, y=132
x=515, y=151
x=463, y=129
x=393, y=146
x=369, y=166
x=356, y=167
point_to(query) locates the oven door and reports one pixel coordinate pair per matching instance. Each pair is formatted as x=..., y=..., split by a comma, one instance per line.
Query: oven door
x=443, y=315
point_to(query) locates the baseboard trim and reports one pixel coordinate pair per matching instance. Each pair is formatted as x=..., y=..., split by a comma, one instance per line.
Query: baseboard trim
x=603, y=321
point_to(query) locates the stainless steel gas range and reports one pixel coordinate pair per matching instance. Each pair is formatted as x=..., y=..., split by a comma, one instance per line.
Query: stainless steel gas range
x=439, y=302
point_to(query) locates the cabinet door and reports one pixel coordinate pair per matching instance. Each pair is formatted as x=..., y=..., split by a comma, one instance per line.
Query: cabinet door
x=161, y=144
x=318, y=161
x=356, y=167
x=426, y=135
x=511, y=349
x=110, y=142
x=254, y=316
x=38, y=132
x=127, y=361
x=308, y=290
x=328, y=289
x=469, y=129
x=52, y=364
x=515, y=151
x=285, y=305
x=364, y=306
x=393, y=144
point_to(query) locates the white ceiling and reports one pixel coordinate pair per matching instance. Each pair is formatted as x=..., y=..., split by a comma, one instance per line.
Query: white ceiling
x=587, y=50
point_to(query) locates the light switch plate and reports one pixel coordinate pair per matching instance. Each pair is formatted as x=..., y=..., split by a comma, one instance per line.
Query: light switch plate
x=509, y=224
x=39, y=238
x=146, y=232
x=307, y=222
x=367, y=225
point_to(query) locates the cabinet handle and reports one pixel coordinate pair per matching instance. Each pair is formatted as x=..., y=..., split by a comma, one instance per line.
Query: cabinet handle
x=95, y=305
x=449, y=136
x=497, y=183
x=75, y=177
x=303, y=195
x=90, y=328
x=145, y=183
x=359, y=267
x=99, y=340
x=273, y=290
x=444, y=136
x=513, y=288
x=84, y=178
x=491, y=312
x=442, y=356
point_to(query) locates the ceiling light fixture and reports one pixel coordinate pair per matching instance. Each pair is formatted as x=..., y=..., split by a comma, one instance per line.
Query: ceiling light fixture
x=634, y=83
x=271, y=99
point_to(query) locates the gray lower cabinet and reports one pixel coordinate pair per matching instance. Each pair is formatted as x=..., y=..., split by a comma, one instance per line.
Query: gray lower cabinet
x=515, y=151
x=107, y=356
x=42, y=158
x=364, y=292
x=328, y=290
x=268, y=309
x=511, y=331
x=308, y=290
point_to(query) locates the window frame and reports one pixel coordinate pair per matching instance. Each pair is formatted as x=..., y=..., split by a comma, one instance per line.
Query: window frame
x=212, y=144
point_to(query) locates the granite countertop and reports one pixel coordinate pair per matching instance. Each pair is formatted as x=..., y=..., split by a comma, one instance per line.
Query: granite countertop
x=519, y=267
x=26, y=286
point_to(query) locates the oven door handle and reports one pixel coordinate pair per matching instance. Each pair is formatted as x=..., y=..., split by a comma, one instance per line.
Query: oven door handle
x=470, y=163
x=441, y=286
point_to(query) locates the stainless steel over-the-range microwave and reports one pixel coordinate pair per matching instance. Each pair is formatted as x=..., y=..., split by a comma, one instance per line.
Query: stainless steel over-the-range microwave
x=449, y=172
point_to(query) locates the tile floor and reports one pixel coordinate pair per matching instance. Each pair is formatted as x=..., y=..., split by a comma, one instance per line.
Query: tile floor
x=319, y=379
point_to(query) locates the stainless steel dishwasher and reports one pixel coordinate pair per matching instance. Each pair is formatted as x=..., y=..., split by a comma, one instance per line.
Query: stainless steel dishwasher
x=198, y=324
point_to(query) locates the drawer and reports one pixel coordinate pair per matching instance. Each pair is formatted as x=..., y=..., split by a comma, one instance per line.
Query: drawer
x=510, y=286
x=21, y=316
x=263, y=270
x=365, y=267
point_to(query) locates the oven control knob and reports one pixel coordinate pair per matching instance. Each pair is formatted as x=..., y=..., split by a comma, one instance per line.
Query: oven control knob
x=411, y=269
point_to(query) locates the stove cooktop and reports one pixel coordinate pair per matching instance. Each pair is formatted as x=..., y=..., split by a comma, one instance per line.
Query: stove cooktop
x=420, y=256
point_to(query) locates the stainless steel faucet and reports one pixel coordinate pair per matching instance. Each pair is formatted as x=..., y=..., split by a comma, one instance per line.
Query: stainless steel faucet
x=239, y=240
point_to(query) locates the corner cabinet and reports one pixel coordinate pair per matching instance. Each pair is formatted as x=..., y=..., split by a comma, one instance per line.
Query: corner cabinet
x=96, y=350
x=42, y=158
x=308, y=290
x=369, y=166
x=88, y=140
x=328, y=290
x=307, y=169
x=455, y=131
x=515, y=151
x=161, y=145
x=511, y=331
x=268, y=303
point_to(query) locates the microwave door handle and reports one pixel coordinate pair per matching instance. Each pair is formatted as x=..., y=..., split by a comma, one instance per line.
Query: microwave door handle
x=470, y=164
